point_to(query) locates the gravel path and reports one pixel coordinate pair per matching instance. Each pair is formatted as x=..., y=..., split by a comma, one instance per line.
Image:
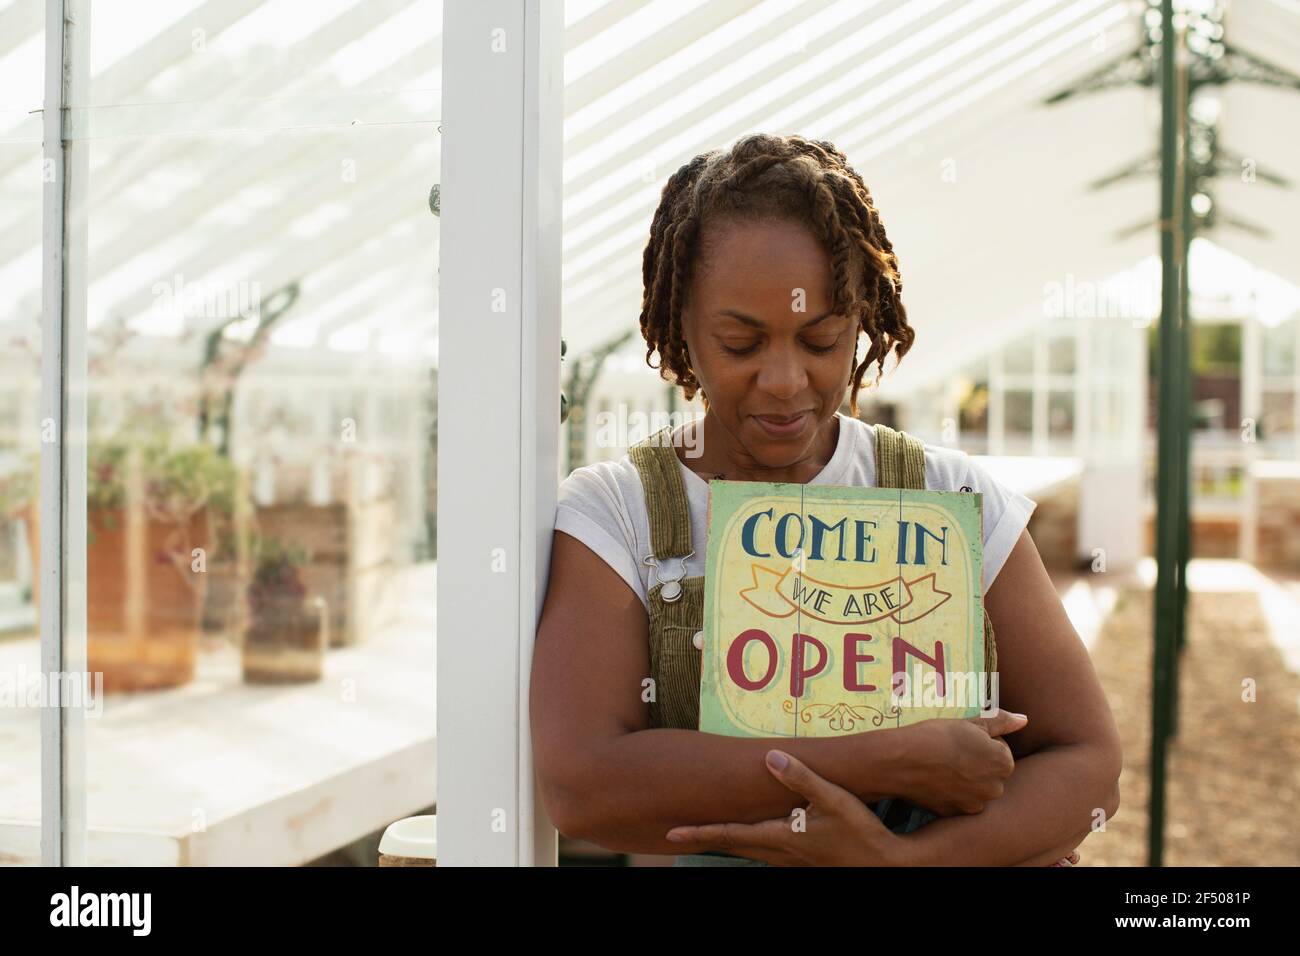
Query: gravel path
x=1233, y=796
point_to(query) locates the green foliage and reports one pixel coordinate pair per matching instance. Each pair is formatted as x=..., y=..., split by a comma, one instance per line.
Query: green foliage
x=190, y=476
x=271, y=553
x=105, y=476
x=178, y=481
x=1215, y=347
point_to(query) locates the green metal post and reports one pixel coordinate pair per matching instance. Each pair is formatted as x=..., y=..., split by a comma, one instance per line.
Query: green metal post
x=1187, y=433
x=1168, y=499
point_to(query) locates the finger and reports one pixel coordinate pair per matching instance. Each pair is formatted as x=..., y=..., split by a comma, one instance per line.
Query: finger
x=765, y=833
x=773, y=842
x=766, y=842
x=1008, y=757
x=799, y=777
x=1002, y=722
x=726, y=837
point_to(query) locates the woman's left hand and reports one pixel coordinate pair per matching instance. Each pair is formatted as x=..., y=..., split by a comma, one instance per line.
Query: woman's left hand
x=835, y=829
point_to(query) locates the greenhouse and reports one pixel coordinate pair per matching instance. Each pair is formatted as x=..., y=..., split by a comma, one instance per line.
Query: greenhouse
x=311, y=308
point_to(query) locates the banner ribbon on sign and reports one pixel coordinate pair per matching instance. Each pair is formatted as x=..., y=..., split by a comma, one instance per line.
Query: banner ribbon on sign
x=778, y=594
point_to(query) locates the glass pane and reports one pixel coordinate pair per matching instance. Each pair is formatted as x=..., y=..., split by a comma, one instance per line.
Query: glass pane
x=1278, y=418
x=1018, y=359
x=1280, y=348
x=222, y=60
x=21, y=180
x=1019, y=412
x=1060, y=355
x=1060, y=414
x=262, y=318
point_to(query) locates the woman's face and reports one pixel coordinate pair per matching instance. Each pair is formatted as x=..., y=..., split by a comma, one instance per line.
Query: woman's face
x=769, y=353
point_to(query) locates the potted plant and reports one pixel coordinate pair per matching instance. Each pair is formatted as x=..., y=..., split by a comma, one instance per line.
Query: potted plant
x=286, y=636
x=149, y=503
x=225, y=358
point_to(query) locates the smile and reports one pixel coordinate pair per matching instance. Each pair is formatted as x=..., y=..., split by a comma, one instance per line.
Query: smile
x=782, y=426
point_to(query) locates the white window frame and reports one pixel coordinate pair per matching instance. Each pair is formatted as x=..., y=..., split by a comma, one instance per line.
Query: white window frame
x=498, y=433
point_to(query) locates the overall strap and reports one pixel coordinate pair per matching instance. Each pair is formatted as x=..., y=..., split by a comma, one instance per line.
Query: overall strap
x=676, y=602
x=900, y=459
x=665, y=495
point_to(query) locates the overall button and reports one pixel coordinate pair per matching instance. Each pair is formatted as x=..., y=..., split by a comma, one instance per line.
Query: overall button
x=698, y=640
x=671, y=591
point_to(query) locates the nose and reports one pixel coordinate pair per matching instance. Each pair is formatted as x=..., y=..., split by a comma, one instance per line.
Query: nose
x=783, y=375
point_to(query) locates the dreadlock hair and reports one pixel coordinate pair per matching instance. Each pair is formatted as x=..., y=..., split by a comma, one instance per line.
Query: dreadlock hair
x=773, y=177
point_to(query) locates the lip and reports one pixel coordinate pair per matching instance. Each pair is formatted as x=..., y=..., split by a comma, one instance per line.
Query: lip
x=780, y=426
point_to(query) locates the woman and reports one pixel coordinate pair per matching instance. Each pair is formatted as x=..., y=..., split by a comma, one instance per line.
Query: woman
x=766, y=266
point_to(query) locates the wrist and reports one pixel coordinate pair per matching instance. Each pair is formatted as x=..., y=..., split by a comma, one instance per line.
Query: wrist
x=871, y=761
x=897, y=764
x=913, y=849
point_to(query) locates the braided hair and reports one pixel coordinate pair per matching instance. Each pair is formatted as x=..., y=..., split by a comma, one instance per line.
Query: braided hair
x=773, y=177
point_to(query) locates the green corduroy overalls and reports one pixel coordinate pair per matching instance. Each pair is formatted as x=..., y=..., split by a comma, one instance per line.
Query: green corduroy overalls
x=677, y=601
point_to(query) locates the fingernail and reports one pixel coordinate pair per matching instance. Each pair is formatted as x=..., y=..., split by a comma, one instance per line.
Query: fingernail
x=1021, y=716
x=675, y=837
x=777, y=760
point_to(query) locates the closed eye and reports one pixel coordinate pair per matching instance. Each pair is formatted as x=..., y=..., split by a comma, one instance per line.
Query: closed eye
x=821, y=345
x=811, y=346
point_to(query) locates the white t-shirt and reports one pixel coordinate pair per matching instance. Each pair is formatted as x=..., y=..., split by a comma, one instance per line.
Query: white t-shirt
x=603, y=504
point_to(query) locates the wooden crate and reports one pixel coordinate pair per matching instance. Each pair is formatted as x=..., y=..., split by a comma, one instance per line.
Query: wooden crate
x=350, y=558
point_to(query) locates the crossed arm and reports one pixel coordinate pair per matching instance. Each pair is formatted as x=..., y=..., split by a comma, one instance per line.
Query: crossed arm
x=1068, y=757
x=1045, y=812
x=605, y=776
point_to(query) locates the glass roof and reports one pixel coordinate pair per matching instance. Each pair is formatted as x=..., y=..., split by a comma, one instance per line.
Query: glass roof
x=985, y=191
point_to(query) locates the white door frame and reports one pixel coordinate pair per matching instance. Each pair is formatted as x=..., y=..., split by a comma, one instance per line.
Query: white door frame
x=498, y=416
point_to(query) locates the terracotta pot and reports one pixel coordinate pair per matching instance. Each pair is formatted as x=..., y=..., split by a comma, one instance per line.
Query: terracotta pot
x=142, y=610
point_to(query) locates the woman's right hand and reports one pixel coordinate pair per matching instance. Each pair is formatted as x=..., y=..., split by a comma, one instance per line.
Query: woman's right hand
x=957, y=766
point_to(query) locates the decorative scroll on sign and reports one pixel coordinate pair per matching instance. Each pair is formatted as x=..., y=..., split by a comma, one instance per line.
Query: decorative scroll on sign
x=838, y=610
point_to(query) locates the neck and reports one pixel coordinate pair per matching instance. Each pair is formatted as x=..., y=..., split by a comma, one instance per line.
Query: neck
x=722, y=455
